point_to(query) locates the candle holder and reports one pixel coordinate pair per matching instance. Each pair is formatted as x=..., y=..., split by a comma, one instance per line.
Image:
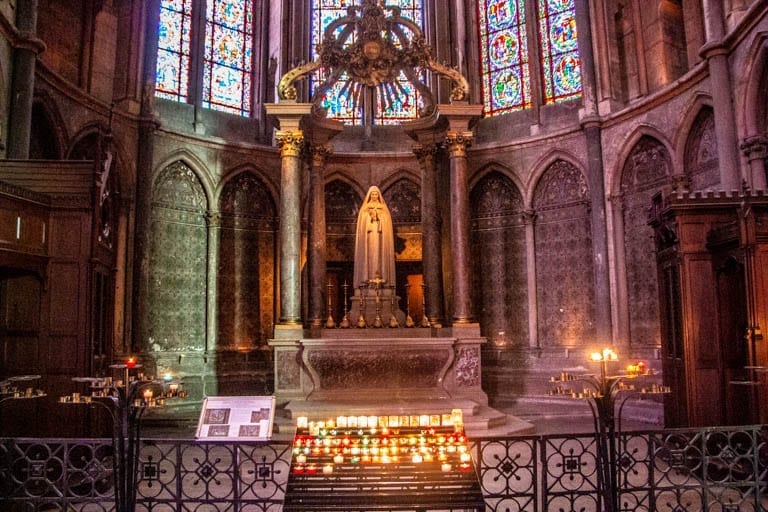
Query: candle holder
x=424, y=319
x=18, y=388
x=408, y=318
x=393, y=323
x=125, y=399
x=361, y=323
x=330, y=323
x=603, y=393
x=377, y=290
x=345, y=319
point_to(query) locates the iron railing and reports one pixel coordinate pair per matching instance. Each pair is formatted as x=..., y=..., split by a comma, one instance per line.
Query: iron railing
x=722, y=469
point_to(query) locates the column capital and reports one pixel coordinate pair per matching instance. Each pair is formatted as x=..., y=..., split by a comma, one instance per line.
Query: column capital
x=457, y=142
x=290, y=142
x=755, y=147
x=213, y=219
x=319, y=153
x=424, y=151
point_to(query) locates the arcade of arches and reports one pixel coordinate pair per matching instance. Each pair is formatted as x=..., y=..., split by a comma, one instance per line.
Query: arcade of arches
x=629, y=213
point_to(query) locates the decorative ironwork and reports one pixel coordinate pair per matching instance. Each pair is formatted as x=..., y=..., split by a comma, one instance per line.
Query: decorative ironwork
x=683, y=469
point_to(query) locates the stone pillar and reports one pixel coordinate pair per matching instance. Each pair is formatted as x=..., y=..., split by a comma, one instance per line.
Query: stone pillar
x=213, y=220
x=144, y=167
x=431, y=251
x=593, y=139
x=291, y=143
x=23, y=81
x=756, y=151
x=457, y=143
x=316, y=255
x=529, y=220
x=715, y=51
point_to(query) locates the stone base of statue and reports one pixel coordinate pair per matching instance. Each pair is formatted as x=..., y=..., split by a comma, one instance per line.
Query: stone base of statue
x=388, y=370
x=371, y=307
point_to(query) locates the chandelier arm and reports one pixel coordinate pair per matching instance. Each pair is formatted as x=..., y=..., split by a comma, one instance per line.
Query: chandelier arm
x=427, y=97
x=285, y=88
x=460, y=90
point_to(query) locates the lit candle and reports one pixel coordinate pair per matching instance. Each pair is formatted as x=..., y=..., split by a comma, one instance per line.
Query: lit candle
x=464, y=466
x=417, y=458
x=328, y=469
x=301, y=458
x=465, y=457
x=445, y=467
x=130, y=362
x=312, y=469
x=338, y=458
x=301, y=422
x=147, y=395
x=174, y=388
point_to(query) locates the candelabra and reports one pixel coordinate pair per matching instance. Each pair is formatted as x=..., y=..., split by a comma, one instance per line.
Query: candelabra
x=345, y=319
x=125, y=399
x=408, y=318
x=424, y=319
x=18, y=388
x=361, y=323
x=377, y=319
x=330, y=323
x=603, y=393
x=393, y=323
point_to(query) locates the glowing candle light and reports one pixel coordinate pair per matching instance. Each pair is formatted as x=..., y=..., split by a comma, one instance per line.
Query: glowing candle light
x=130, y=362
x=338, y=458
x=445, y=467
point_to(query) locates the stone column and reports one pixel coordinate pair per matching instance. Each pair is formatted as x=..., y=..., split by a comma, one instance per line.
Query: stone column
x=213, y=220
x=593, y=139
x=144, y=167
x=25, y=53
x=716, y=52
x=316, y=254
x=529, y=220
x=756, y=150
x=457, y=143
x=431, y=252
x=291, y=143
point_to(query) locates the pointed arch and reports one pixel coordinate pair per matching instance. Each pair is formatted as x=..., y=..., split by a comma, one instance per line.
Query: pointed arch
x=544, y=164
x=246, y=261
x=497, y=167
x=629, y=144
x=499, y=259
x=754, y=108
x=565, y=287
x=196, y=165
x=700, y=161
x=48, y=133
x=402, y=193
x=266, y=181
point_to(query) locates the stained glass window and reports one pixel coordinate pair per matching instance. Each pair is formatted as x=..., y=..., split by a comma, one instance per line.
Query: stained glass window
x=560, y=50
x=504, y=51
x=401, y=101
x=173, y=54
x=228, y=56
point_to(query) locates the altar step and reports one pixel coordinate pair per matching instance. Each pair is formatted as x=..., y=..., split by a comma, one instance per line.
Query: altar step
x=480, y=421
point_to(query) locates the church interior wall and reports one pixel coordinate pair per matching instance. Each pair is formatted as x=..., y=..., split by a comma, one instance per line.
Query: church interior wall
x=655, y=101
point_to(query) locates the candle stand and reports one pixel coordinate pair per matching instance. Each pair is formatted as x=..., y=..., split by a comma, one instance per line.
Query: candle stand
x=125, y=398
x=604, y=393
x=18, y=388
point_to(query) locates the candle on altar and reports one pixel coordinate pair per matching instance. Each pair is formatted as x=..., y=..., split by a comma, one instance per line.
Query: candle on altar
x=130, y=362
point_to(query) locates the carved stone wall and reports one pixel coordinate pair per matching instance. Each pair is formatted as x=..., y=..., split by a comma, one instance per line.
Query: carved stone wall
x=701, y=158
x=498, y=261
x=177, y=267
x=341, y=206
x=647, y=169
x=564, y=271
x=246, y=280
x=403, y=199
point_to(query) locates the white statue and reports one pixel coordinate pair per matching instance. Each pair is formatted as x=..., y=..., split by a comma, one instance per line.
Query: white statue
x=375, y=243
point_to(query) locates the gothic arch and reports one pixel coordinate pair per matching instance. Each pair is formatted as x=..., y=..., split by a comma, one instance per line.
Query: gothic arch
x=755, y=107
x=177, y=295
x=690, y=112
x=262, y=176
x=400, y=174
x=342, y=202
x=563, y=247
x=499, y=168
x=701, y=162
x=48, y=135
x=346, y=176
x=543, y=165
x=403, y=197
x=615, y=174
x=196, y=165
x=499, y=259
x=246, y=262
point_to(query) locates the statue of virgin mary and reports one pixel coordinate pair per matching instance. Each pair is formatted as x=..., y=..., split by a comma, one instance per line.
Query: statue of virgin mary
x=374, y=243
